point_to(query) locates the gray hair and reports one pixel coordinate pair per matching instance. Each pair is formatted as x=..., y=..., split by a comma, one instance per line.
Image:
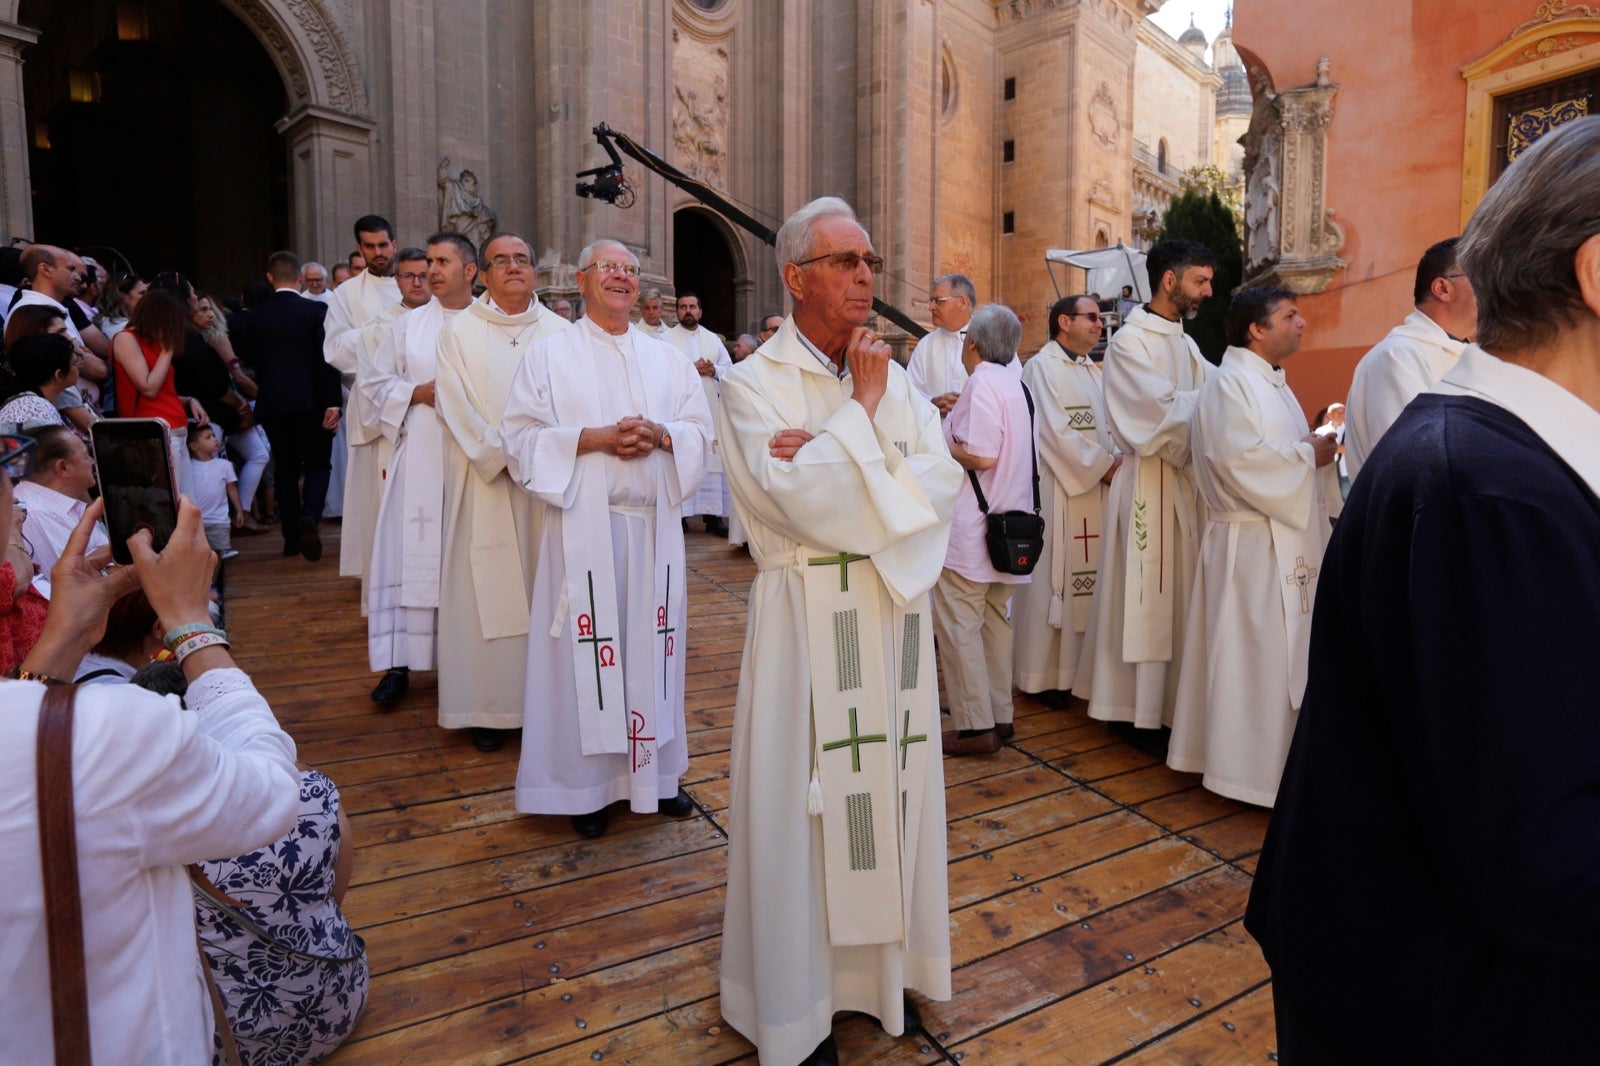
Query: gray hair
x=483, y=251
x=996, y=332
x=1521, y=245
x=959, y=284
x=649, y=294
x=313, y=263
x=587, y=256
x=411, y=253
x=795, y=237
x=753, y=342
x=464, y=247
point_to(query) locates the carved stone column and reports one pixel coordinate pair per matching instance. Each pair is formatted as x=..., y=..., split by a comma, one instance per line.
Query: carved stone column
x=16, y=200
x=330, y=168
x=1291, y=239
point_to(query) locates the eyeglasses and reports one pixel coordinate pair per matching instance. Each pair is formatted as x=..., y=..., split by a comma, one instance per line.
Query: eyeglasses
x=500, y=262
x=412, y=277
x=935, y=301
x=1448, y=277
x=846, y=262
x=1092, y=316
x=16, y=456
x=611, y=266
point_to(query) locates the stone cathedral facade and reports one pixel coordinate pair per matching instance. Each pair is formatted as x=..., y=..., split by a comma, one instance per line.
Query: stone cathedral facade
x=970, y=135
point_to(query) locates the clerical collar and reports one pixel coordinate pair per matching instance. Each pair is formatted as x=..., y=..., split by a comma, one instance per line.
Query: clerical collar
x=1158, y=314
x=533, y=305
x=1073, y=356
x=836, y=371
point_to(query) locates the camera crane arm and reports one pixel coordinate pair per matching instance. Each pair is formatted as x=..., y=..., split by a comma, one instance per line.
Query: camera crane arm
x=610, y=185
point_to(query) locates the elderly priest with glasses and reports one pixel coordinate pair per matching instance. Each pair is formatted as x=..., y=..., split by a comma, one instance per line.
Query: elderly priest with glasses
x=837, y=897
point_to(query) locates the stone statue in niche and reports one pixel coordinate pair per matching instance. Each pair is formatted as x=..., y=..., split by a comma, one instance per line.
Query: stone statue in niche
x=1263, y=198
x=461, y=206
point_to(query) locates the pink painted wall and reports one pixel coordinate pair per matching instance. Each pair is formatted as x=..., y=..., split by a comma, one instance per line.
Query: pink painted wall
x=1394, y=149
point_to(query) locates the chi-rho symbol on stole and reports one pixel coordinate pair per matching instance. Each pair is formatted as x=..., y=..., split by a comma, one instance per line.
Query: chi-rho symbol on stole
x=872, y=703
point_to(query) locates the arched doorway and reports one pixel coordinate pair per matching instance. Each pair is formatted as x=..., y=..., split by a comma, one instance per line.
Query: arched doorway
x=151, y=133
x=705, y=261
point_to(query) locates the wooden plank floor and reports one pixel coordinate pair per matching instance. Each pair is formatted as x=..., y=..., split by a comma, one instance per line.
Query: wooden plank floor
x=1096, y=896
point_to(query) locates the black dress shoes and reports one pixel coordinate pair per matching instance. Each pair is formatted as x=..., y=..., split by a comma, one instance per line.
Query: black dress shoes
x=912, y=1015
x=716, y=526
x=826, y=1054
x=678, y=806
x=310, y=539
x=392, y=687
x=291, y=548
x=590, y=826
x=485, y=739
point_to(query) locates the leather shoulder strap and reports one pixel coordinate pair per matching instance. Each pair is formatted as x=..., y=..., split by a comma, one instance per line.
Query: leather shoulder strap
x=58, y=855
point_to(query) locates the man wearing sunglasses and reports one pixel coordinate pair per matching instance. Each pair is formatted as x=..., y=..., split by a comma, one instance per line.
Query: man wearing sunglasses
x=845, y=486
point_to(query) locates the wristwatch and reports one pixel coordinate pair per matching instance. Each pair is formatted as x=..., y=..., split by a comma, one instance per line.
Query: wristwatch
x=666, y=439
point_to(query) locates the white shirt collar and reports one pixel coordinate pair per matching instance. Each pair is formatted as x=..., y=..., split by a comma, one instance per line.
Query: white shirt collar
x=838, y=372
x=43, y=497
x=1568, y=425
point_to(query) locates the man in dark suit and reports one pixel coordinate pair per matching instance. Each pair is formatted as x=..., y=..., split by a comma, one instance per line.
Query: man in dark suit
x=297, y=400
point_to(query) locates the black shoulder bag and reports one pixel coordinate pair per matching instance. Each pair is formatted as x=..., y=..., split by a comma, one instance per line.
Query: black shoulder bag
x=1015, y=538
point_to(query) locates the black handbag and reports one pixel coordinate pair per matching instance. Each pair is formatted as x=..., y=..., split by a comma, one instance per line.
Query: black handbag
x=1014, y=538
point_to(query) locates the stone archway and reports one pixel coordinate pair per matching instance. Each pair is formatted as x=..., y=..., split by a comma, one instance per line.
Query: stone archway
x=326, y=127
x=708, y=259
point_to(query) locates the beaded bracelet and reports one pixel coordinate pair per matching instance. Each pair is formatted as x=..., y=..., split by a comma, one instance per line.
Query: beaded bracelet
x=174, y=637
x=198, y=641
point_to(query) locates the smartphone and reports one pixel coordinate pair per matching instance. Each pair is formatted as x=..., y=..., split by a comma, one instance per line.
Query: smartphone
x=133, y=462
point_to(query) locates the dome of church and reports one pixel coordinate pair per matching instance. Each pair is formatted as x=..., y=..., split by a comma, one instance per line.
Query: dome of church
x=1234, y=96
x=1194, y=38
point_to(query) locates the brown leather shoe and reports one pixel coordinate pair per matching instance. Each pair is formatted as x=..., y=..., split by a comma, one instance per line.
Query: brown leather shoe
x=1006, y=730
x=985, y=743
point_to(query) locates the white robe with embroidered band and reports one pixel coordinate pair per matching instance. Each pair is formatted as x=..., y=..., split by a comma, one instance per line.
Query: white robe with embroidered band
x=837, y=893
x=607, y=627
x=1051, y=612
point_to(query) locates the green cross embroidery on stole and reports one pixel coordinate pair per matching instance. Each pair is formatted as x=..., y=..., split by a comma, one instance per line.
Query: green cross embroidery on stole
x=854, y=742
x=842, y=561
x=908, y=738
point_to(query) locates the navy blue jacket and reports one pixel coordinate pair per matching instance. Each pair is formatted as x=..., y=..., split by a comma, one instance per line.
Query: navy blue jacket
x=281, y=340
x=1430, y=885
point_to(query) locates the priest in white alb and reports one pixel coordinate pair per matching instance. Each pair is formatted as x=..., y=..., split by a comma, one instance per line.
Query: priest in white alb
x=1133, y=641
x=1076, y=462
x=711, y=361
x=837, y=896
x=609, y=431
x=1263, y=476
x=403, y=590
x=490, y=524
x=1412, y=356
x=650, y=311
x=369, y=450
x=935, y=366
x=351, y=307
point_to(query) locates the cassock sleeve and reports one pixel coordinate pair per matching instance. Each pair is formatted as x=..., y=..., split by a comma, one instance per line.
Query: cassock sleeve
x=917, y=367
x=194, y=786
x=691, y=428
x=1497, y=726
x=461, y=408
x=721, y=363
x=1147, y=411
x=1075, y=459
x=386, y=391
x=1378, y=395
x=848, y=489
x=540, y=454
x=341, y=339
x=1275, y=477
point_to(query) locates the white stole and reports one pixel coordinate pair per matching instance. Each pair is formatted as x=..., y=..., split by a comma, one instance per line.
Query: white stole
x=1298, y=552
x=869, y=763
x=604, y=720
x=1148, y=579
x=1077, y=523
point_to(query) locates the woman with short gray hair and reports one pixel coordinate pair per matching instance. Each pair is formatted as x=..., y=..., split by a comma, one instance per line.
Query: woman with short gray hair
x=989, y=432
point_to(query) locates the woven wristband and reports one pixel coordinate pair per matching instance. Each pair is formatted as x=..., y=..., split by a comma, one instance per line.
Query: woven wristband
x=174, y=637
x=217, y=639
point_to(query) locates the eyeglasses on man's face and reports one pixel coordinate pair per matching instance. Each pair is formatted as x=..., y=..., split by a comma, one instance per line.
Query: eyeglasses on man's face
x=412, y=277
x=611, y=266
x=1092, y=316
x=501, y=262
x=938, y=301
x=846, y=262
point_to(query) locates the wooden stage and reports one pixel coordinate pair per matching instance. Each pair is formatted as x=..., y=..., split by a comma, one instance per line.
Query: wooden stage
x=1096, y=896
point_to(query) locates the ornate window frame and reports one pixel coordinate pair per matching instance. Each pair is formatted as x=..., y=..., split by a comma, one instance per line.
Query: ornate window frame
x=1560, y=39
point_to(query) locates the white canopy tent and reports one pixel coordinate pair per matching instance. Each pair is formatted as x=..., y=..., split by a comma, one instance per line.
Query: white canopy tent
x=1109, y=269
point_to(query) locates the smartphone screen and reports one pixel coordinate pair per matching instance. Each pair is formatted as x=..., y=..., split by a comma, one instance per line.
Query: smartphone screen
x=133, y=461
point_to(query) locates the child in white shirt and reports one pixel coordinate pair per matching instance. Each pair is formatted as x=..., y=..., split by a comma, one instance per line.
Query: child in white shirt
x=215, y=488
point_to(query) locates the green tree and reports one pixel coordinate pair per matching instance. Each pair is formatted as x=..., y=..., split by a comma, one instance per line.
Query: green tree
x=1203, y=216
